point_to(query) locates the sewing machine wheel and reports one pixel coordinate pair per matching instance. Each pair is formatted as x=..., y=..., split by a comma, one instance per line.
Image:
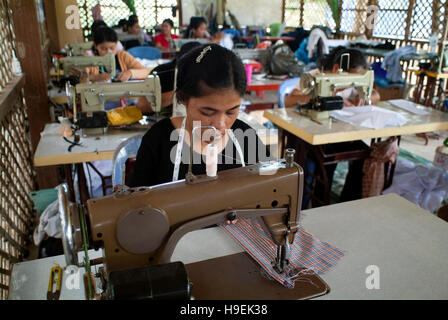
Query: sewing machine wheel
x=69, y=91
x=142, y=231
x=71, y=235
x=307, y=83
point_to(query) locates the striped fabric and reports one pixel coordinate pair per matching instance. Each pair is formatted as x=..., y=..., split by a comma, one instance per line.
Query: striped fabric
x=306, y=252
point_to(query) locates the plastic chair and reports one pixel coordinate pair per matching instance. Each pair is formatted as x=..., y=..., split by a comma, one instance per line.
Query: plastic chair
x=233, y=33
x=149, y=53
x=286, y=88
x=125, y=150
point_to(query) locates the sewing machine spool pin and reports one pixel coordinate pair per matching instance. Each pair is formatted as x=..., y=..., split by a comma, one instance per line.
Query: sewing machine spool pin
x=190, y=178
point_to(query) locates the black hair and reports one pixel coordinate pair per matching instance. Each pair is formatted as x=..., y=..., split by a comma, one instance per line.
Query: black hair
x=209, y=66
x=195, y=22
x=133, y=19
x=96, y=25
x=357, y=59
x=187, y=48
x=122, y=23
x=104, y=34
x=169, y=21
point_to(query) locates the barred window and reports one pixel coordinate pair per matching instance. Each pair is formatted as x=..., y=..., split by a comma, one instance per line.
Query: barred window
x=315, y=12
x=354, y=16
x=149, y=12
x=398, y=19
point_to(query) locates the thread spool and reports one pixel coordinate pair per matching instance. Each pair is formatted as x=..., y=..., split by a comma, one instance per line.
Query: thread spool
x=211, y=160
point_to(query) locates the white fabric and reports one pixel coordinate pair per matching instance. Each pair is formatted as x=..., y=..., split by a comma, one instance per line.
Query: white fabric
x=409, y=106
x=226, y=42
x=315, y=36
x=424, y=185
x=49, y=224
x=349, y=94
x=369, y=117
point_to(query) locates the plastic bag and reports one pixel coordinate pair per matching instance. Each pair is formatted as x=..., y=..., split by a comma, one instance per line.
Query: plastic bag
x=124, y=116
x=283, y=61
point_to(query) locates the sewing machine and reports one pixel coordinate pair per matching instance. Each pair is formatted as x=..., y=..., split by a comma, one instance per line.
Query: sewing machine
x=138, y=229
x=93, y=119
x=107, y=61
x=78, y=49
x=179, y=43
x=322, y=86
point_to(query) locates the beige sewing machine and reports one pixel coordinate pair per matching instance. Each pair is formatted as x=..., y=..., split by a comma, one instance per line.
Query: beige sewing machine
x=92, y=96
x=107, y=61
x=138, y=229
x=78, y=49
x=322, y=88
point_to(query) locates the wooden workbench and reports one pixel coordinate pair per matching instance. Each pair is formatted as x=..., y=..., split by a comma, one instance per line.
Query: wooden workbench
x=333, y=131
x=406, y=244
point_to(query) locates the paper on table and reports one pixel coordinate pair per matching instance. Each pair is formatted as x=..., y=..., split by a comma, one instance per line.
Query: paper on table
x=370, y=117
x=409, y=106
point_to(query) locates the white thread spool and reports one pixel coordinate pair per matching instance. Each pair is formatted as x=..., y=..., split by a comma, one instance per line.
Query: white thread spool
x=211, y=160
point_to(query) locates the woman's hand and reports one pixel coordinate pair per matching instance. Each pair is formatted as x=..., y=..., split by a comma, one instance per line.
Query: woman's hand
x=101, y=77
x=125, y=76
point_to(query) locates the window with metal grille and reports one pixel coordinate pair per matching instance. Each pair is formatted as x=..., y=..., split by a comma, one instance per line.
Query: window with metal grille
x=16, y=156
x=353, y=16
x=307, y=13
x=410, y=20
x=149, y=12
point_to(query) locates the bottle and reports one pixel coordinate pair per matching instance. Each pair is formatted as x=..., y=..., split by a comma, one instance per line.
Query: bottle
x=433, y=43
x=16, y=67
x=441, y=157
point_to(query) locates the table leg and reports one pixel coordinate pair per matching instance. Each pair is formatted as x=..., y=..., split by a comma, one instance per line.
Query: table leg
x=82, y=184
x=69, y=181
x=390, y=179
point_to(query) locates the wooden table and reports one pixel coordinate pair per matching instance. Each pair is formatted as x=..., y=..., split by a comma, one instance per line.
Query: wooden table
x=262, y=85
x=53, y=151
x=333, y=131
x=406, y=243
x=304, y=135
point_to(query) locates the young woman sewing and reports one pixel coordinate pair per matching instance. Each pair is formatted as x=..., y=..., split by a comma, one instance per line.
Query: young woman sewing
x=211, y=82
x=331, y=64
x=164, y=40
x=104, y=42
x=197, y=29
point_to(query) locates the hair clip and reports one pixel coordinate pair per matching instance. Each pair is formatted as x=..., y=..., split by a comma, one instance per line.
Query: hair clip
x=201, y=56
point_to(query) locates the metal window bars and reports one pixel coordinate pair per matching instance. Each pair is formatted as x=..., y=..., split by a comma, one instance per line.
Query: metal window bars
x=16, y=158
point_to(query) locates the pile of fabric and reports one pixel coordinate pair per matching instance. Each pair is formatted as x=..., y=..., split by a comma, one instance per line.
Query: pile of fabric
x=424, y=185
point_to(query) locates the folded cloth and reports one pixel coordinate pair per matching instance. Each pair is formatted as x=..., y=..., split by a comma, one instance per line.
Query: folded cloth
x=306, y=252
x=49, y=224
x=369, y=117
x=392, y=64
x=316, y=35
x=424, y=185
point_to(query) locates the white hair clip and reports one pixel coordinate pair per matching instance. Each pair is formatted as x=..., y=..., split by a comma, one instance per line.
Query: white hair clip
x=201, y=56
